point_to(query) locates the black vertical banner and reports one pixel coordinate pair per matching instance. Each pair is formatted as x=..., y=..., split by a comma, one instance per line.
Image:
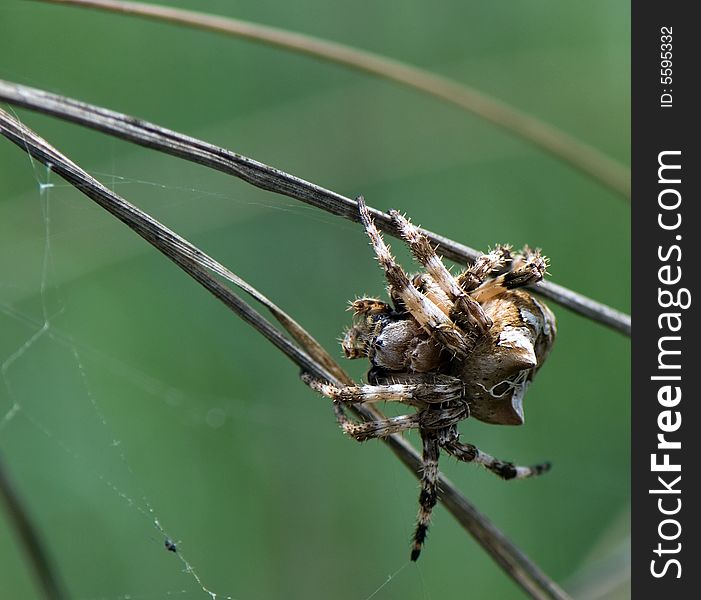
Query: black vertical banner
x=666, y=169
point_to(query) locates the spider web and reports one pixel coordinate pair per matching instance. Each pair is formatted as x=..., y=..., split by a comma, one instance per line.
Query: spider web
x=42, y=345
x=45, y=330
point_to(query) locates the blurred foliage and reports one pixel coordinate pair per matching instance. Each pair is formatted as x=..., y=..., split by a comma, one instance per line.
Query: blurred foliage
x=145, y=394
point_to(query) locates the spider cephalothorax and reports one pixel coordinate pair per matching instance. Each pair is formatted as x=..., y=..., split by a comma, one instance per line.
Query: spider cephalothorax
x=450, y=346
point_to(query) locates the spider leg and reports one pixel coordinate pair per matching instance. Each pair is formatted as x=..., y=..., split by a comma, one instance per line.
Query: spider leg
x=463, y=310
x=369, y=306
x=419, y=395
x=426, y=313
x=529, y=268
x=505, y=470
x=380, y=429
x=429, y=490
x=415, y=394
x=429, y=288
x=487, y=264
x=426, y=255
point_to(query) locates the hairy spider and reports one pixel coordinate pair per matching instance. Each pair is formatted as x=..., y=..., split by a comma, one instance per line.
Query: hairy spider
x=452, y=347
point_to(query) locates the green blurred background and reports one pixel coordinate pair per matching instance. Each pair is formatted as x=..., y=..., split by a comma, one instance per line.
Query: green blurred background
x=145, y=398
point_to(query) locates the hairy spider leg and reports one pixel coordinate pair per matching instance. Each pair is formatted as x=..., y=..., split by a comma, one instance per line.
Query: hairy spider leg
x=465, y=311
x=416, y=394
x=426, y=313
x=429, y=288
x=382, y=428
x=485, y=266
x=369, y=306
x=529, y=268
x=505, y=470
x=429, y=490
x=419, y=395
x=426, y=255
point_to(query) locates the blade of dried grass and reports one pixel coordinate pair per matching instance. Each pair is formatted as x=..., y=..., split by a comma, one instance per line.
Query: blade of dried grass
x=271, y=179
x=28, y=534
x=583, y=157
x=199, y=266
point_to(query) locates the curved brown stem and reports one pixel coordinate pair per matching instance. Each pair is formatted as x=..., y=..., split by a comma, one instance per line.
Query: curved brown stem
x=583, y=157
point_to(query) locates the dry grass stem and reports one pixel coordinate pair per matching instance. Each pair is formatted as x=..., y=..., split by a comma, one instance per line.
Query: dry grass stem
x=28, y=535
x=271, y=179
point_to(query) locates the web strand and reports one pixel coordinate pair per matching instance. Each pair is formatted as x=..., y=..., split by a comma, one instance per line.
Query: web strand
x=43, y=329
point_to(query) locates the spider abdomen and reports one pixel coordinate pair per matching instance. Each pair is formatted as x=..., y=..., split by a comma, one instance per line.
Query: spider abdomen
x=498, y=371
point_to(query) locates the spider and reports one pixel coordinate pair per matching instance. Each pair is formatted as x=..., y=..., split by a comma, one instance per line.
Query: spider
x=451, y=347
